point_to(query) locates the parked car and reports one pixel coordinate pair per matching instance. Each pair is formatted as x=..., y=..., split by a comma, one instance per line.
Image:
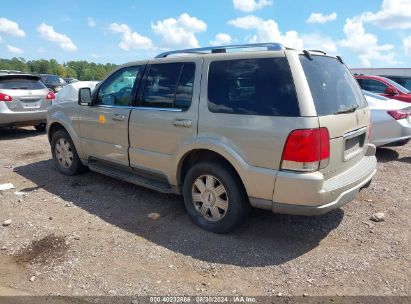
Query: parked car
x=277, y=129
x=53, y=82
x=384, y=87
x=24, y=101
x=70, y=92
x=390, y=120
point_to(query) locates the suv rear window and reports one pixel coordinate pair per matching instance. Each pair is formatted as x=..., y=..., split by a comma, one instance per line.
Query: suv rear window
x=261, y=86
x=21, y=83
x=332, y=85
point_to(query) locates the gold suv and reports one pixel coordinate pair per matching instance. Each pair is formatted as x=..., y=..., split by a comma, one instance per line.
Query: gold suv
x=228, y=128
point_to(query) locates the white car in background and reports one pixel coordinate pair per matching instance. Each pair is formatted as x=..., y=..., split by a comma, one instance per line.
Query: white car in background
x=70, y=92
x=390, y=120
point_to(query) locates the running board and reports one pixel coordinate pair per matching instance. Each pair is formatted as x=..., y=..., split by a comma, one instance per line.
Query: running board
x=128, y=175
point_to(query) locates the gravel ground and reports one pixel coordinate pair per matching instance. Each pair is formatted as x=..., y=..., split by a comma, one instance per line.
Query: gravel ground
x=93, y=235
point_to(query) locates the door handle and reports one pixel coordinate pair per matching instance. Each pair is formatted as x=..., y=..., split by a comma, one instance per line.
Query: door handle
x=118, y=117
x=185, y=123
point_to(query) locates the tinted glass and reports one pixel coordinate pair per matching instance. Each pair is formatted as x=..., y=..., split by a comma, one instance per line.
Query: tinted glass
x=372, y=85
x=169, y=85
x=252, y=87
x=50, y=78
x=332, y=85
x=21, y=83
x=118, y=89
x=397, y=86
x=184, y=93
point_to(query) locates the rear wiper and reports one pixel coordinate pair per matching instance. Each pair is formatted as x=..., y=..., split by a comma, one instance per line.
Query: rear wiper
x=347, y=109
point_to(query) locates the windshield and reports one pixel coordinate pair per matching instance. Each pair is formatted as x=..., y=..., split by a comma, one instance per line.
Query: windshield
x=332, y=86
x=397, y=86
x=376, y=96
x=50, y=79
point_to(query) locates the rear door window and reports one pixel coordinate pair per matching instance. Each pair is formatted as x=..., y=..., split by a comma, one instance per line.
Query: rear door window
x=332, y=86
x=169, y=85
x=21, y=83
x=261, y=86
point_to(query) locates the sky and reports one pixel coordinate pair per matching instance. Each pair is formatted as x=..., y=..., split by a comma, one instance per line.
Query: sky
x=366, y=33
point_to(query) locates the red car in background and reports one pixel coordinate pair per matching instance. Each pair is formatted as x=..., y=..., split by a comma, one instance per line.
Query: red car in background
x=384, y=86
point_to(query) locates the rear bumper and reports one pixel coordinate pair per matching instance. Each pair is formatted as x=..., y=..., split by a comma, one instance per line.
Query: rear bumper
x=23, y=118
x=309, y=194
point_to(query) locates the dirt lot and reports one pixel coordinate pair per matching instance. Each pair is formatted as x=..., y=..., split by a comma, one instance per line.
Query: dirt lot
x=93, y=235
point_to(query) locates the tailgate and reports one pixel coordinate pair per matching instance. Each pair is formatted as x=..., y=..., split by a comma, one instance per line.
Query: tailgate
x=348, y=140
x=341, y=108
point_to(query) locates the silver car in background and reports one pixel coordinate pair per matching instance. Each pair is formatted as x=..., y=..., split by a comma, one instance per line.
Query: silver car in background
x=24, y=100
x=390, y=120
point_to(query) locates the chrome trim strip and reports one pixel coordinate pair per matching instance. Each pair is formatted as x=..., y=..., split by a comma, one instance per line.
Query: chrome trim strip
x=140, y=108
x=158, y=109
x=355, y=133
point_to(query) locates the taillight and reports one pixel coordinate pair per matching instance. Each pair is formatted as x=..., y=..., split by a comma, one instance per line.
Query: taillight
x=306, y=150
x=400, y=114
x=5, y=97
x=50, y=95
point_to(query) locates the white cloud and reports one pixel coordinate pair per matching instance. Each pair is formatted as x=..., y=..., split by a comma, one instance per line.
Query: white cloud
x=394, y=14
x=249, y=6
x=221, y=39
x=179, y=33
x=13, y=49
x=320, y=18
x=407, y=46
x=318, y=42
x=365, y=45
x=267, y=31
x=1, y=40
x=47, y=32
x=91, y=22
x=11, y=28
x=130, y=40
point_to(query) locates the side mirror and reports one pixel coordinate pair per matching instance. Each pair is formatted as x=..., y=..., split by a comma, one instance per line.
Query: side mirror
x=390, y=91
x=84, y=97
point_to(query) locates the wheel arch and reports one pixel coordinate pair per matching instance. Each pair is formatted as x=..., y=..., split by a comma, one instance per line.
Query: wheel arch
x=204, y=154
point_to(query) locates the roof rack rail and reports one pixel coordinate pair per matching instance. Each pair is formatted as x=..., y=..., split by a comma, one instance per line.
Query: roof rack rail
x=223, y=49
x=318, y=51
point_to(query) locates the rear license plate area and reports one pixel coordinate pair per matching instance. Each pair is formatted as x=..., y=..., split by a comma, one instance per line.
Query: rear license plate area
x=353, y=144
x=32, y=105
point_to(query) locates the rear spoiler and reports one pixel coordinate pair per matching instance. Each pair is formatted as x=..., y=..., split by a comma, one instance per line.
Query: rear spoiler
x=17, y=76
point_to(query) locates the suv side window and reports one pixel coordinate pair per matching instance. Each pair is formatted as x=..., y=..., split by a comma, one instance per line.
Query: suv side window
x=117, y=90
x=261, y=86
x=373, y=86
x=169, y=85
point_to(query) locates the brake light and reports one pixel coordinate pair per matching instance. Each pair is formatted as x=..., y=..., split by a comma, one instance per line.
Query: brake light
x=51, y=95
x=306, y=150
x=5, y=97
x=399, y=114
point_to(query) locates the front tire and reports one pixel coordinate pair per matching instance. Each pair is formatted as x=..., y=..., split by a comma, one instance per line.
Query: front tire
x=214, y=197
x=65, y=154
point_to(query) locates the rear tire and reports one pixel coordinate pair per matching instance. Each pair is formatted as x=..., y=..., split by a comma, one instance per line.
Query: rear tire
x=40, y=127
x=214, y=197
x=65, y=154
